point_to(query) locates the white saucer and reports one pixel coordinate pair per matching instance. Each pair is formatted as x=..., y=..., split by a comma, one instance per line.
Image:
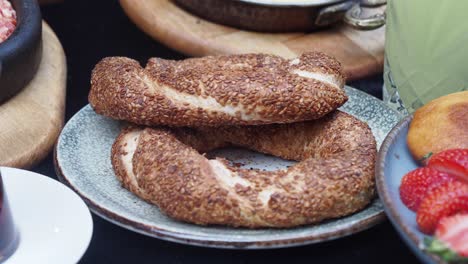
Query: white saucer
x=54, y=224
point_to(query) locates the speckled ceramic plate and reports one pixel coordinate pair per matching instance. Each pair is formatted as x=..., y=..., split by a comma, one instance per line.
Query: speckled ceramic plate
x=394, y=161
x=83, y=162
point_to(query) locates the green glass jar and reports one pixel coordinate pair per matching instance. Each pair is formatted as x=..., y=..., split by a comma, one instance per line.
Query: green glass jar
x=426, y=51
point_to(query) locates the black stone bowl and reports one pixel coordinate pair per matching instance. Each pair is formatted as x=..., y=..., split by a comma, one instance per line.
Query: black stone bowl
x=21, y=53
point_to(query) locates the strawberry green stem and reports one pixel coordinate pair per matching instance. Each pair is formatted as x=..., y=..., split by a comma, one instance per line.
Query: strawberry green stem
x=440, y=249
x=425, y=158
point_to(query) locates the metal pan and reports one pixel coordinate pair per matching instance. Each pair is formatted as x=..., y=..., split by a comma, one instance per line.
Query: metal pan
x=285, y=15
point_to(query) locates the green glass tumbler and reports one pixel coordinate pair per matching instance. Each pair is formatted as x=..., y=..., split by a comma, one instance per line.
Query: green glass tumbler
x=426, y=51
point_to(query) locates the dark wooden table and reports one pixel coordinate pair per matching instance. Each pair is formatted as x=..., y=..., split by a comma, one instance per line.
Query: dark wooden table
x=90, y=30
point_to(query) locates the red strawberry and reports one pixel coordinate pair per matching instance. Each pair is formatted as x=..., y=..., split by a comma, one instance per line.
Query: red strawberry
x=448, y=199
x=417, y=183
x=453, y=161
x=451, y=239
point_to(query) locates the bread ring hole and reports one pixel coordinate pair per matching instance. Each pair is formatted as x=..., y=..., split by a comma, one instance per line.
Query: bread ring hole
x=249, y=159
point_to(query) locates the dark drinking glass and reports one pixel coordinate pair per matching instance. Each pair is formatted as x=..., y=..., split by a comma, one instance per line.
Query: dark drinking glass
x=8, y=234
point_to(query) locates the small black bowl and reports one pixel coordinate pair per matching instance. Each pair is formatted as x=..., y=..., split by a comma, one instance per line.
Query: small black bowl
x=21, y=53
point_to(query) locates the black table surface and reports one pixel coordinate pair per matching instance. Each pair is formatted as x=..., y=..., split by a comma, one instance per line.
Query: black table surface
x=90, y=30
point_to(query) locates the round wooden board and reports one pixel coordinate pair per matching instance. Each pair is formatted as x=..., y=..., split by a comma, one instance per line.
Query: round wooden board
x=361, y=52
x=32, y=120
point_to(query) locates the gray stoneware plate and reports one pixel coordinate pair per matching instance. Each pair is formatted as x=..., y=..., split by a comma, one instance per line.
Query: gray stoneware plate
x=393, y=162
x=82, y=158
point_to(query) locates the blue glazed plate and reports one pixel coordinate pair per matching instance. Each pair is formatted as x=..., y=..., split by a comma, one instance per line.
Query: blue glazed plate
x=394, y=161
x=82, y=159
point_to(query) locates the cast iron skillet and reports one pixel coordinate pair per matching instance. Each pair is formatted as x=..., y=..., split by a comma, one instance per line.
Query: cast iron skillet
x=21, y=53
x=284, y=15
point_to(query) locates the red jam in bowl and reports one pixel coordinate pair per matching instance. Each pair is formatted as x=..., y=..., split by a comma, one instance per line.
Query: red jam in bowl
x=7, y=20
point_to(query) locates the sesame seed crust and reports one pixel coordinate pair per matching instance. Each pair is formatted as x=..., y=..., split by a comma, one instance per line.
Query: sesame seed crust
x=247, y=89
x=333, y=178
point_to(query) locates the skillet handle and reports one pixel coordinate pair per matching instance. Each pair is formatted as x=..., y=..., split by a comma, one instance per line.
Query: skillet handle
x=333, y=13
x=354, y=19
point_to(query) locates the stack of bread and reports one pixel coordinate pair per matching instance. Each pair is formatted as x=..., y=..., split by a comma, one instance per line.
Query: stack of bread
x=179, y=110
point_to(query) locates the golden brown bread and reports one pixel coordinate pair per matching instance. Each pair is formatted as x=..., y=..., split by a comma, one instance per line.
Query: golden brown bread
x=334, y=178
x=218, y=90
x=439, y=125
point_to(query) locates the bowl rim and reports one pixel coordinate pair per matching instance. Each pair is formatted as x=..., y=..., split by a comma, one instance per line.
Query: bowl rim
x=391, y=211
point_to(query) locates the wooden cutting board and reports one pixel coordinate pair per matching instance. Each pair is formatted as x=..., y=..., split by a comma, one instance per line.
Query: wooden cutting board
x=32, y=120
x=361, y=52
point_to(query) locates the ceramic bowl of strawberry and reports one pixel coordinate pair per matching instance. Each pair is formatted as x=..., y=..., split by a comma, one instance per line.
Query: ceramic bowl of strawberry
x=430, y=192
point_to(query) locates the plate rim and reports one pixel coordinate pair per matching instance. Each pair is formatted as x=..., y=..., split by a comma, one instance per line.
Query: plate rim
x=198, y=240
x=384, y=193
